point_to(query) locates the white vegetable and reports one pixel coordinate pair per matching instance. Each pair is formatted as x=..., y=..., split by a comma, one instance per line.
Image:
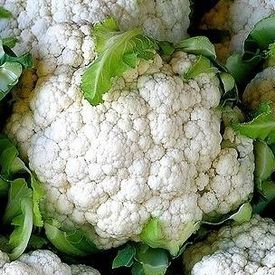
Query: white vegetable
x=261, y=89
x=151, y=150
x=238, y=17
x=248, y=248
x=41, y=262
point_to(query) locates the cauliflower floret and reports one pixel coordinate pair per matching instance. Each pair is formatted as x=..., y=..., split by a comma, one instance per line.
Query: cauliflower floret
x=248, y=248
x=238, y=17
x=151, y=150
x=41, y=262
x=36, y=17
x=261, y=89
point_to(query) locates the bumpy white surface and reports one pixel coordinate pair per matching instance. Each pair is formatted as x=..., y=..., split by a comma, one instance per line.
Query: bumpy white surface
x=238, y=17
x=261, y=89
x=151, y=150
x=248, y=248
x=41, y=262
x=35, y=17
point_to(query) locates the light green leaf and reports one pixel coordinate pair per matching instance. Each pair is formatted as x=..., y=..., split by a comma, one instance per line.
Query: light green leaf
x=264, y=161
x=261, y=127
x=153, y=261
x=9, y=75
x=152, y=234
x=118, y=52
x=23, y=228
x=243, y=214
x=5, y=14
x=18, y=191
x=202, y=65
x=125, y=257
x=37, y=195
x=228, y=81
x=19, y=213
x=71, y=242
x=199, y=45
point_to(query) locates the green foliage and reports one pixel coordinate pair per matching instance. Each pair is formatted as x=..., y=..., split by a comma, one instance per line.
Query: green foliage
x=118, y=52
x=143, y=259
x=73, y=242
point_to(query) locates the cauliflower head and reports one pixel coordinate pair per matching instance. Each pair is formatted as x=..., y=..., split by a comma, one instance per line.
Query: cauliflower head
x=238, y=17
x=248, y=248
x=151, y=150
x=261, y=89
x=41, y=262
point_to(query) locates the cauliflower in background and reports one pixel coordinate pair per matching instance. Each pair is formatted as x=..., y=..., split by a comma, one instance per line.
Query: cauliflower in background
x=261, y=89
x=41, y=262
x=238, y=17
x=248, y=248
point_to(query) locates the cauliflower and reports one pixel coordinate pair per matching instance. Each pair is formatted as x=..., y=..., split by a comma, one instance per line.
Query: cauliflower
x=36, y=18
x=41, y=262
x=248, y=248
x=238, y=17
x=151, y=150
x=261, y=89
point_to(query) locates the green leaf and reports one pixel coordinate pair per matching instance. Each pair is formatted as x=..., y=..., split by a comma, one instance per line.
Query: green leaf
x=4, y=187
x=5, y=14
x=18, y=191
x=37, y=242
x=262, y=35
x=37, y=196
x=241, y=68
x=152, y=234
x=202, y=65
x=271, y=55
x=153, y=261
x=19, y=213
x=199, y=45
x=9, y=42
x=23, y=228
x=261, y=127
x=228, y=81
x=25, y=60
x=118, y=52
x=71, y=242
x=267, y=195
x=9, y=75
x=243, y=214
x=264, y=161
x=103, y=32
x=166, y=48
x=125, y=257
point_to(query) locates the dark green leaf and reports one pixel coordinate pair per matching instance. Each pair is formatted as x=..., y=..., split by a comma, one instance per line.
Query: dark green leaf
x=125, y=257
x=5, y=14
